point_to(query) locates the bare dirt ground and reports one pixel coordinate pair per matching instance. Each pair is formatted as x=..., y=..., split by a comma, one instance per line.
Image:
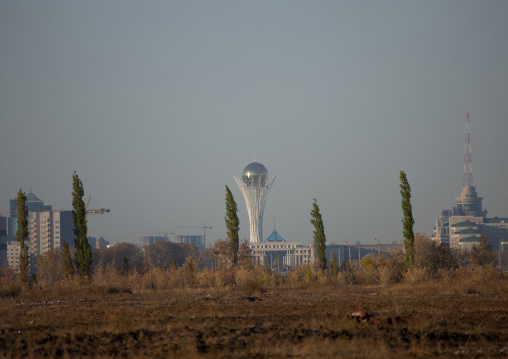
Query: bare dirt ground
x=280, y=323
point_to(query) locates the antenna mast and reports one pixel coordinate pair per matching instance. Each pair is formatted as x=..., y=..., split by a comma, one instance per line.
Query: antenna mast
x=468, y=165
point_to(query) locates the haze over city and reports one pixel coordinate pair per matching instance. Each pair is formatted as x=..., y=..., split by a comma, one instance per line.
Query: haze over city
x=157, y=106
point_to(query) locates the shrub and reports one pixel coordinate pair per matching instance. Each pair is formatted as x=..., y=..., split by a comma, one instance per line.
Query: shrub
x=308, y=274
x=50, y=268
x=206, y=278
x=417, y=275
x=110, y=278
x=189, y=272
x=432, y=257
x=371, y=270
x=347, y=274
x=297, y=275
x=10, y=291
x=481, y=255
x=7, y=277
x=244, y=276
x=227, y=277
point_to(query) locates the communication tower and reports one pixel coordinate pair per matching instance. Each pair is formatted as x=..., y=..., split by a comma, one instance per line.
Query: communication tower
x=255, y=185
x=468, y=204
x=468, y=164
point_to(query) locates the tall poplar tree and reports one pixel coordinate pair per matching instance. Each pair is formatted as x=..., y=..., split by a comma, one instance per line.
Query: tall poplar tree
x=407, y=221
x=319, y=235
x=22, y=236
x=83, y=256
x=232, y=224
x=67, y=260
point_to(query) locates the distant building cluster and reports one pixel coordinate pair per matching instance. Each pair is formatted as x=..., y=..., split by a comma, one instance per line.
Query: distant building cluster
x=275, y=251
x=98, y=243
x=460, y=227
x=48, y=229
x=463, y=226
x=148, y=240
x=197, y=240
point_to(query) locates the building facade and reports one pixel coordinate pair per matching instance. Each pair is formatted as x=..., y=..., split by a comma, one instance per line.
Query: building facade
x=197, y=240
x=279, y=254
x=463, y=226
x=3, y=240
x=101, y=243
x=148, y=240
x=285, y=254
x=48, y=229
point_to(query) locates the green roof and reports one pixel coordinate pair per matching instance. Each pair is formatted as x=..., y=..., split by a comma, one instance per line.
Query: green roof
x=466, y=223
x=468, y=231
x=496, y=220
x=470, y=239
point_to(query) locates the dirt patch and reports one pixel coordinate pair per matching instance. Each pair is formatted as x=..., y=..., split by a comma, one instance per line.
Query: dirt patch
x=279, y=323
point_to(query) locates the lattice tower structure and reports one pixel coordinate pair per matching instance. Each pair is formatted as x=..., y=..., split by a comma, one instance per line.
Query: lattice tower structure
x=468, y=164
x=255, y=188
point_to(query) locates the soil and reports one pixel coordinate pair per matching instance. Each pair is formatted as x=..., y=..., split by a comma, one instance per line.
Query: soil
x=279, y=323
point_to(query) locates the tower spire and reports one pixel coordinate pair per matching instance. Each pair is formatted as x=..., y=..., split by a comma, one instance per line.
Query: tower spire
x=468, y=165
x=255, y=185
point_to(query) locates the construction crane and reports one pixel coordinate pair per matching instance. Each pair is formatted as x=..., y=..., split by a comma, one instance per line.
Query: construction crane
x=204, y=232
x=97, y=211
x=100, y=211
x=91, y=211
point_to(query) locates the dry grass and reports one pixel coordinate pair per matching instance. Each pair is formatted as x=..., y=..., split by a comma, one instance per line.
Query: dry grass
x=257, y=321
x=252, y=312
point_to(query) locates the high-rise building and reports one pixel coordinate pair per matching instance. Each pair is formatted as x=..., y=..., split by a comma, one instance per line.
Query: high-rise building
x=33, y=203
x=148, y=240
x=197, y=240
x=3, y=240
x=92, y=241
x=255, y=185
x=101, y=243
x=462, y=226
x=48, y=229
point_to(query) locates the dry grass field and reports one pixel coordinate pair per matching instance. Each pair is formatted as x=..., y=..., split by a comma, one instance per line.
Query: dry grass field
x=255, y=319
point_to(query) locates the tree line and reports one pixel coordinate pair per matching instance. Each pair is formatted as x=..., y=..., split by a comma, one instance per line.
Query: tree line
x=81, y=259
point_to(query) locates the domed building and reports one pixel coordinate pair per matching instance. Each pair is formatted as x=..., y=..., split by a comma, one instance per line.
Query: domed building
x=462, y=226
x=255, y=185
x=33, y=203
x=255, y=174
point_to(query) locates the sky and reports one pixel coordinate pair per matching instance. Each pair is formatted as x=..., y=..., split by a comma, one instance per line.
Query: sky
x=157, y=105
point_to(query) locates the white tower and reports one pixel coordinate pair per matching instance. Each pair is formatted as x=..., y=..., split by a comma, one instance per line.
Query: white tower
x=255, y=185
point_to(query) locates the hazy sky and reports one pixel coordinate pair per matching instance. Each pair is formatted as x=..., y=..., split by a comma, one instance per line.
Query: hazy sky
x=158, y=104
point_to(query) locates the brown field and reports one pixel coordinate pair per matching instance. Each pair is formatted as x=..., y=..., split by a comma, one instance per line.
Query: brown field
x=433, y=319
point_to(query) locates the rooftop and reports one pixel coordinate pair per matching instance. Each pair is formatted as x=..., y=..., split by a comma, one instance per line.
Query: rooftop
x=496, y=220
x=275, y=237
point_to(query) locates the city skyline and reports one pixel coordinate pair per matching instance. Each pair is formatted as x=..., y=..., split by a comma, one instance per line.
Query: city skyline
x=158, y=106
